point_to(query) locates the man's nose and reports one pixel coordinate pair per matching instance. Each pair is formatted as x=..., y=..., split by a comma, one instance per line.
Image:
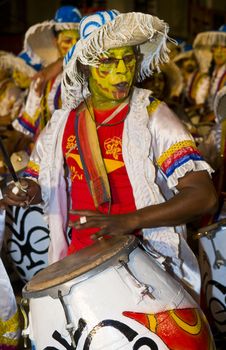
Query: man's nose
x=121, y=67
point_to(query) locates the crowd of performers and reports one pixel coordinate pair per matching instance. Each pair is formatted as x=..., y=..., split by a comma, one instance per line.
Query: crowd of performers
x=50, y=75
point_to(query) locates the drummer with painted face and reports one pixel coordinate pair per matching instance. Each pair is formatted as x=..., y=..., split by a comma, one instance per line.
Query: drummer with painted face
x=54, y=38
x=132, y=166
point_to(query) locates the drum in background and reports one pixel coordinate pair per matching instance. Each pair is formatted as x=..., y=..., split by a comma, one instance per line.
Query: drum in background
x=26, y=240
x=212, y=258
x=112, y=295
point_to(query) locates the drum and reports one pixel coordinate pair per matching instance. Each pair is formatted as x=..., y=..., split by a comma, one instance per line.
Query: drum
x=26, y=240
x=112, y=295
x=212, y=258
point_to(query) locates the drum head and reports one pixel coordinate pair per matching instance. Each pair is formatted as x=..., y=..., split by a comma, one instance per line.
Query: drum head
x=80, y=263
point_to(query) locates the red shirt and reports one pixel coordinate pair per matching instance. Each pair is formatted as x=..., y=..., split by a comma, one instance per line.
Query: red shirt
x=110, y=140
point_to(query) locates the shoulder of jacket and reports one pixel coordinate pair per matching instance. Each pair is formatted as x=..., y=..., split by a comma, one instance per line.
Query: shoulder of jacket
x=153, y=105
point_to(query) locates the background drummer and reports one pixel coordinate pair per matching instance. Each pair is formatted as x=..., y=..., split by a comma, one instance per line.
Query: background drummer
x=54, y=37
x=132, y=166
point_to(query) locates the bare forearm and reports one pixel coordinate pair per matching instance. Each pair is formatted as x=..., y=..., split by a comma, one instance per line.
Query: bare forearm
x=196, y=196
x=55, y=68
x=46, y=74
x=179, y=210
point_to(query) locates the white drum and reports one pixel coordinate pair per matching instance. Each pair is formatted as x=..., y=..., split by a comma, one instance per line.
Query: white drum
x=112, y=295
x=212, y=257
x=26, y=240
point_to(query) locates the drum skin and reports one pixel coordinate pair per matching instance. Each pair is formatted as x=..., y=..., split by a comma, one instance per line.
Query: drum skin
x=133, y=305
x=26, y=240
x=214, y=278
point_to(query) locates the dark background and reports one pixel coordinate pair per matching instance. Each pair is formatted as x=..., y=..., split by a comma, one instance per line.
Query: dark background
x=185, y=17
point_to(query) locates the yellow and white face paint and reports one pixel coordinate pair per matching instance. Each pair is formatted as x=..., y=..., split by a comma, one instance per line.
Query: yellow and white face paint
x=219, y=55
x=113, y=78
x=66, y=39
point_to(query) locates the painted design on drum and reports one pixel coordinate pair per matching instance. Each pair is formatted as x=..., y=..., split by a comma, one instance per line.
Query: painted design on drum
x=215, y=305
x=27, y=240
x=178, y=327
x=214, y=293
x=127, y=331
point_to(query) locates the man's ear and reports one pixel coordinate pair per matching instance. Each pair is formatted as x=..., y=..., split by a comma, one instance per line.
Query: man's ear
x=138, y=66
x=54, y=41
x=85, y=70
x=55, y=38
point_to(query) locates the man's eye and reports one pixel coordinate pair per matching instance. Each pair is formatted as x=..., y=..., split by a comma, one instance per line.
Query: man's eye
x=128, y=58
x=107, y=60
x=67, y=41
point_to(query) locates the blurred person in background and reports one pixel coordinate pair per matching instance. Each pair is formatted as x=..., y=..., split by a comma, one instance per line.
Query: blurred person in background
x=50, y=40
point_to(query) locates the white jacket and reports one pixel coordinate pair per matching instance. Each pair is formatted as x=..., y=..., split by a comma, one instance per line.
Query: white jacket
x=145, y=138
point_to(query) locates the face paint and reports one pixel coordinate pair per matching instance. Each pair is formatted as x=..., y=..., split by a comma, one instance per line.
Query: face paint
x=113, y=78
x=22, y=80
x=66, y=39
x=219, y=55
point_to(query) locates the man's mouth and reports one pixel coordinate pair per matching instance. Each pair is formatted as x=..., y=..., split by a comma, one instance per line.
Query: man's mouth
x=122, y=86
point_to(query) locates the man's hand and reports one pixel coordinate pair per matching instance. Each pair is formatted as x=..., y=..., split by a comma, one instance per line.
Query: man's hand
x=43, y=76
x=196, y=197
x=28, y=192
x=112, y=225
x=2, y=204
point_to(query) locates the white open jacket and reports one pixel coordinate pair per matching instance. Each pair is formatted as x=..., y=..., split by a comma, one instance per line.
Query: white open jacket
x=145, y=138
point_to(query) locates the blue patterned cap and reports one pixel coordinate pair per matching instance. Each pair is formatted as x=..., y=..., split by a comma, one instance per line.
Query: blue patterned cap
x=91, y=22
x=23, y=62
x=67, y=14
x=87, y=26
x=106, y=30
x=222, y=28
x=39, y=38
x=187, y=47
x=33, y=63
